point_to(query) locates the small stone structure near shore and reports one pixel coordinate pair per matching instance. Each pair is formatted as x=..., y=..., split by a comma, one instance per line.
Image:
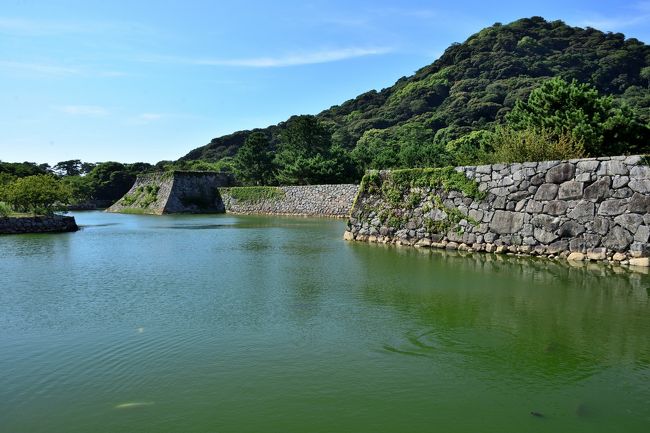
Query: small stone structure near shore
x=37, y=224
x=584, y=209
x=174, y=192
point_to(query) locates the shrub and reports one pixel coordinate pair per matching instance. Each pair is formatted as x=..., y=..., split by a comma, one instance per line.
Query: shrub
x=254, y=194
x=534, y=145
x=5, y=209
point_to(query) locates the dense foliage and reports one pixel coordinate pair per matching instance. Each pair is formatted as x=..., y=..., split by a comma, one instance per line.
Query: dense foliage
x=447, y=112
x=38, y=194
x=102, y=183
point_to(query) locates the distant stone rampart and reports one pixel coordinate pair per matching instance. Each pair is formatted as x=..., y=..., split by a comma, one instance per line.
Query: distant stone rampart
x=584, y=209
x=309, y=200
x=174, y=192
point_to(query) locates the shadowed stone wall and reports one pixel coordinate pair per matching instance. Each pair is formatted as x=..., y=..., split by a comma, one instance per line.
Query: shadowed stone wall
x=37, y=224
x=587, y=209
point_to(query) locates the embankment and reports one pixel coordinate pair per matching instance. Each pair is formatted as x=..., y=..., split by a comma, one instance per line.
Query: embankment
x=309, y=200
x=587, y=209
x=37, y=224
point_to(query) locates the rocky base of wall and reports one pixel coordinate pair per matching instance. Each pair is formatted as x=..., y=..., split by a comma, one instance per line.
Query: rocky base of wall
x=592, y=255
x=308, y=200
x=587, y=209
x=38, y=224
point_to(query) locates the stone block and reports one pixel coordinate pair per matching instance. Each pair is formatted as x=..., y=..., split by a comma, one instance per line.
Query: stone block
x=612, y=207
x=640, y=172
x=620, y=181
x=557, y=247
x=640, y=261
x=538, y=179
x=642, y=234
x=504, y=222
x=629, y=221
x=639, y=203
x=598, y=190
x=587, y=165
x=597, y=254
x=570, y=190
x=571, y=229
x=546, y=192
x=544, y=236
x=546, y=222
x=640, y=185
x=618, y=239
x=556, y=207
x=583, y=212
x=612, y=168
x=560, y=173
x=534, y=206
x=577, y=257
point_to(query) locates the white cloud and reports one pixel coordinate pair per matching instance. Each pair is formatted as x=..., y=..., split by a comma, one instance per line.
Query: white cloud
x=325, y=56
x=83, y=110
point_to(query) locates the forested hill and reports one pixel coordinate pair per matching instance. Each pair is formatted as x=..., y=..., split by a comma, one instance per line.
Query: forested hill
x=476, y=83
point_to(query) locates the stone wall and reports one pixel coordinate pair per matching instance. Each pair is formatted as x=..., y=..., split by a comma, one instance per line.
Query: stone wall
x=588, y=209
x=37, y=224
x=314, y=200
x=174, y=192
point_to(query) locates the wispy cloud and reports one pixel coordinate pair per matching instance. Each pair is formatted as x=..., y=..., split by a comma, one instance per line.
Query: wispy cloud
x=324, y=56
x=38, y=68
x=83, y=110
x=56, y=69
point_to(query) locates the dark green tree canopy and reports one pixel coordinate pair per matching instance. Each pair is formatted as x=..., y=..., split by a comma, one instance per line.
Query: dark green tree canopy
x=254, y=160
x=578, y=110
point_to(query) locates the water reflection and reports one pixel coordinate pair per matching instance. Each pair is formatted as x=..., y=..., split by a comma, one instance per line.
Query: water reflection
x=528, y=317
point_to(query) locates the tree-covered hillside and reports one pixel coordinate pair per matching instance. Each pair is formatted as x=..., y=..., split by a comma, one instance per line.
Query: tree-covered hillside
x=473, y=87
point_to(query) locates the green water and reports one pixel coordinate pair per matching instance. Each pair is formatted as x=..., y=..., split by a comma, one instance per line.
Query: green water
x=256, y=324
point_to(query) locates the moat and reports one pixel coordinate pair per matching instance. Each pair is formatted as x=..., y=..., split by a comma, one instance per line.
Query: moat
x=276, y=324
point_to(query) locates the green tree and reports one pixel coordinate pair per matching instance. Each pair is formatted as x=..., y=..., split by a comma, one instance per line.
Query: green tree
x=576, y=109
x=470, y=149
x=68, y=168
x=41, y=194
x=306, y=155
x=254, y=160
x=111, y=180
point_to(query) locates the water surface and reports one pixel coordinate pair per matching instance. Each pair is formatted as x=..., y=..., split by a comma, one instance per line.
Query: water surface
x=262, y=324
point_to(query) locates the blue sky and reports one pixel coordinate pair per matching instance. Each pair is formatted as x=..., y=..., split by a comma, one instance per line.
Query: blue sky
x=150, y=80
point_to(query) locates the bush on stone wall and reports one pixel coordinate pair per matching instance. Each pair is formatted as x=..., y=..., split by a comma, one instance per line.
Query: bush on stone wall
x=254, y=194
x=530, y=145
